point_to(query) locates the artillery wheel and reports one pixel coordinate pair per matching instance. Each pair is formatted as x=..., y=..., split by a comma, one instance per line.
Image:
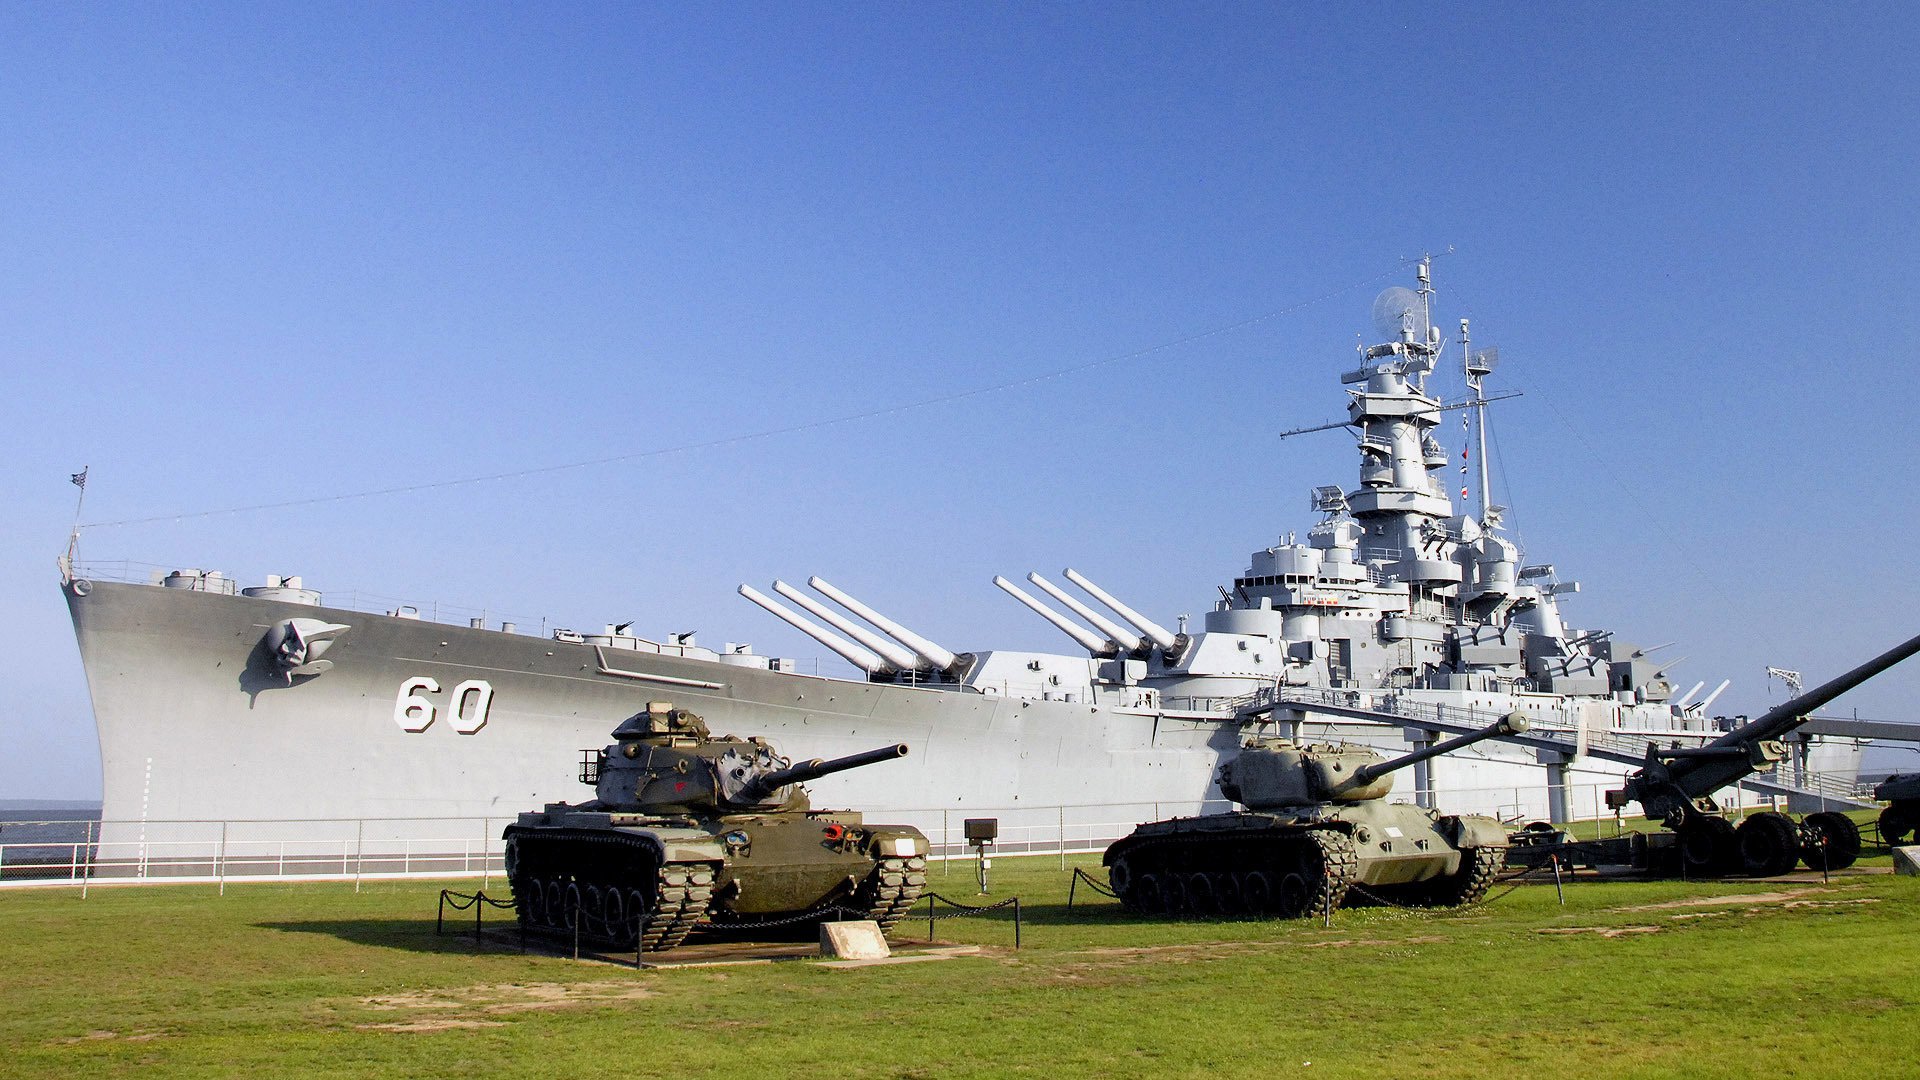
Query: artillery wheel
x=1708, y=847
x=1469, y=884
x=1769, y=844
x=1897, y=824
x=1256, y=892
x=1290, y=901
x=1829, y=840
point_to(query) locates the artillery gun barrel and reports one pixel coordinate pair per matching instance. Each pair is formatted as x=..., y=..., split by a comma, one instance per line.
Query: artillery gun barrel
x=851, y=653
x=1784, y=718
x=768, y=783
x=1510, y=724
x=1122, y=639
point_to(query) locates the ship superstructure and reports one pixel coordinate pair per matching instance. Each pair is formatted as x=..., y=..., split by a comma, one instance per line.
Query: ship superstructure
x=1400, y=618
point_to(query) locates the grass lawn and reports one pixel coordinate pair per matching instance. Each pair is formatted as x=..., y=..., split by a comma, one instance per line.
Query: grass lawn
x=1634, y=979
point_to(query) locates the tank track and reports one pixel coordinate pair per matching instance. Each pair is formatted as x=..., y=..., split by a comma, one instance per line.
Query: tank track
x=1479, y=868
x=1292, y=873
x=553, y=866
x=891, y=890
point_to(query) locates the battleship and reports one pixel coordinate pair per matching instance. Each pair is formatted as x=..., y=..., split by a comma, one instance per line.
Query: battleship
x=1401, y=617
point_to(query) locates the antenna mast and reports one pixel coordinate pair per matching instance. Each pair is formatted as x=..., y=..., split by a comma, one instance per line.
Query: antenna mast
x=1477, y=368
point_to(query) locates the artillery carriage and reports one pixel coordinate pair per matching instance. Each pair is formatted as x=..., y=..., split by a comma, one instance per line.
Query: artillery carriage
x=691, y=830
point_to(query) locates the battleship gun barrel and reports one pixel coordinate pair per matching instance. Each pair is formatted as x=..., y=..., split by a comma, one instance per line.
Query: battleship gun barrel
x=767, y=783
x=851, y=653
x=1784, y=718
x=901, y=659
x=1154, y=632
x=1511, y=724
x=1087, y=641
x=943, y=659
x=1125, y=640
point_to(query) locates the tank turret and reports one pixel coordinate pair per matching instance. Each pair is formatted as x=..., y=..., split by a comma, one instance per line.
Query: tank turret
x=691, y=831
x=665, y=760
x=1272, y=774
x=1316, y=828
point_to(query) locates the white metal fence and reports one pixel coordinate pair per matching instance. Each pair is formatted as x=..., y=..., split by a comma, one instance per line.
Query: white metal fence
x=87, y=851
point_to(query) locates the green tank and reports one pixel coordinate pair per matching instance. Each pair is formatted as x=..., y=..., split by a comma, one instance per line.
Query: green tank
x=1317, y=825
x=689, y=830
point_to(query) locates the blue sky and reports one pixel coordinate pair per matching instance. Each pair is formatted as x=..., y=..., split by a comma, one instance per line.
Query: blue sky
x=257, y=255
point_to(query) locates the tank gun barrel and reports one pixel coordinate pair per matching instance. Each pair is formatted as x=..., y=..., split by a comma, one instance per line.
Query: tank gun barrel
x=1153, y=631
x=851, y=653
x=1784, y=718
x=934, y=655
x=767, y=783
x=1087, y=640
x=1511, y=724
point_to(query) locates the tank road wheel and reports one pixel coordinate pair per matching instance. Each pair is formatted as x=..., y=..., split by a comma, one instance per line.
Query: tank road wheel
x=1120, y=878
x=1829, y=840
x=1708, y=847
x=1173, y=894
x=571, y=901
x=1769, y=844
x=1201, y=897
x=1469, y=884
x=1148, y=897
x=1897, y=824
x=1290, y=901
x=613, y=912
x=527, y=894
x=1227, y=894
x=1256, y=892
x=553, y=906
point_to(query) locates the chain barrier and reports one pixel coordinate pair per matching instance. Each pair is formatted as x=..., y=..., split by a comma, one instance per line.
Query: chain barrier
x=962, y=911
x=478, y=901
x=1079, y=875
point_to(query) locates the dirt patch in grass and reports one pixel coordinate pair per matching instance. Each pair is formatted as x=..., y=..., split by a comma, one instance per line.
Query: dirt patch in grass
x=1603, y=931
x=101, y=1036
x=1795, y=898
x=444, y=1024
x=509, y=997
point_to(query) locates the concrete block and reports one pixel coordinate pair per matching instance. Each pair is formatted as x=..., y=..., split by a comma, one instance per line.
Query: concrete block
x=1906, y=861
x=860, y=940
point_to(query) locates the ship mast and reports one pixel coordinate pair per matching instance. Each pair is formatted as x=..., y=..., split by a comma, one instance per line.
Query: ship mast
x=1478, y=366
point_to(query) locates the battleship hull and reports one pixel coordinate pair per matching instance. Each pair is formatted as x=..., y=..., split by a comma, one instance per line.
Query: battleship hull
x=195, y=723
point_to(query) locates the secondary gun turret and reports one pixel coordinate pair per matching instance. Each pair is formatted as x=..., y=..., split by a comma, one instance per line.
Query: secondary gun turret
x=1678, y=782
x=1272, y=774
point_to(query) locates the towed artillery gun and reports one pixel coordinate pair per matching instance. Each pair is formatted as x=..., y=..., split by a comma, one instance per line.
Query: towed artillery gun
x=1676, y=785
x=688, y=827
x=1316, y=826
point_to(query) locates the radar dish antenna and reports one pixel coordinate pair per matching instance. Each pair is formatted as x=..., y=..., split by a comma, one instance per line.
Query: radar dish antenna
x=1484, y=361
x=1397, y=310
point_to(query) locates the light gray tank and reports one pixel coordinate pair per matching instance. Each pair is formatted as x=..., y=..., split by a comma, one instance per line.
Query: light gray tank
x=1316, y=827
